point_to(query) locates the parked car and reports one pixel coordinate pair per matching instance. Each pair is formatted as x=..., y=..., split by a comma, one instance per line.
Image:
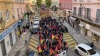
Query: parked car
x=36, y=22
x=37, y=18
x=85, y=50
x=35, y=27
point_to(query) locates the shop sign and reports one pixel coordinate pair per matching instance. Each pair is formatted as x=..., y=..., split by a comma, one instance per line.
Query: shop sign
x=87, y=26
x=7, y=31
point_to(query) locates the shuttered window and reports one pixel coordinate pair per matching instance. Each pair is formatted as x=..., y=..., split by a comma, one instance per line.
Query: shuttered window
x=7, y=13
x=74, y=13
x=98, y=16
x=88, y=13
x=0, y=14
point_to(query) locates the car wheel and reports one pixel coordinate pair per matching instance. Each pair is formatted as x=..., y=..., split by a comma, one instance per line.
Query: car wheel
x=76, y=51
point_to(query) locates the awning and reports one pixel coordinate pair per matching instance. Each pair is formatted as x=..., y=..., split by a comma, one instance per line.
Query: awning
x=98, y=33
x=72, y=18
x=81, y=25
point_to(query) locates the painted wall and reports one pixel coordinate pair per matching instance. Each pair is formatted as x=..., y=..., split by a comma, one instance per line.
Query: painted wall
x=65, y=4
x=93, y=6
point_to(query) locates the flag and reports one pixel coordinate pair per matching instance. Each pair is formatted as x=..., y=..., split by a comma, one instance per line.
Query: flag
x=45, y=46
x=56, y=49
x=41, y=40
x=53, y=36
x=39, y=49
x=51, y=51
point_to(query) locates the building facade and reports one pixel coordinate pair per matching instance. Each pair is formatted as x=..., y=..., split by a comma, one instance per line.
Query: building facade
x=85, y=17
x=66, y=5
x=11, y=11
x=55, y=3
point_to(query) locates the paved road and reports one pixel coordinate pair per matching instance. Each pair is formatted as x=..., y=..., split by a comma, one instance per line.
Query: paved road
x=71, y=44
x=33, y=43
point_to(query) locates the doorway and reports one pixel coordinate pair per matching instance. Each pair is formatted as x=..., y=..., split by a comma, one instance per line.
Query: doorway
x=11, y=40
x=3, y=48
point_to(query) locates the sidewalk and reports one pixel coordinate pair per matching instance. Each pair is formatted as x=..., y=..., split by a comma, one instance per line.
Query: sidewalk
x=19, y=49
x=78, y=37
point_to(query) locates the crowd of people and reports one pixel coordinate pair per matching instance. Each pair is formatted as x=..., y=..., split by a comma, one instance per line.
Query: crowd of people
x=50, y=34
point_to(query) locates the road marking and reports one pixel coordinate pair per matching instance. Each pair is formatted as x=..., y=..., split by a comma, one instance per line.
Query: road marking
x=68, y=40
x=33, y=44
x=71, y=46
x=34, y=49
x=72, y=42
x=65, y=33
x=33, y=41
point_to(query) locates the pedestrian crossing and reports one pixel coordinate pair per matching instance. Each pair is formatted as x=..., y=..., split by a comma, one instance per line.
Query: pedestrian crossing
x=33, y=44
x=71, y=42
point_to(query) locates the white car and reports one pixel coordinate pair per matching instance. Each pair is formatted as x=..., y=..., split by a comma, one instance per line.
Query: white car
x=85, y=50
x=36, y=22
x=36, y=18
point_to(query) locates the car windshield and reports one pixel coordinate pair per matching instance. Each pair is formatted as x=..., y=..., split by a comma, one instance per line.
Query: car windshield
x=35, y=24
x=91, y=51
x=36, y=20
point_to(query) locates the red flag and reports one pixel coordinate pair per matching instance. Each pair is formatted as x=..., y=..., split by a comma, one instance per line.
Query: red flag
x=45, y=46
x=51, y=51
x=56, y=48
x=39, y=49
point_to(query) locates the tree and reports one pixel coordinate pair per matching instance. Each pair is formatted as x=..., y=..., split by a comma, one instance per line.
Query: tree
x=39, y=3
x=48, y=2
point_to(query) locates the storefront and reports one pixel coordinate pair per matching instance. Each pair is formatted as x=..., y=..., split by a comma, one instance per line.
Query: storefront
x=95, y=36
x=8, y=39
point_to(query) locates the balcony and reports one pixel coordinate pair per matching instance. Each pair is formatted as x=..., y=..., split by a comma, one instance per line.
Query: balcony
x=88, y=19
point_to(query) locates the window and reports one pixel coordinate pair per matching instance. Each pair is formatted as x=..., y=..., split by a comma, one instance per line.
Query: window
x=81, y=0
x=82, y=49
x=59, y=4
x=74, y=13
x=1, y=17
x=13, y=13
x=88, y=0
x=75, y=0
x=98, y=16
x=87, y=13
x=85, y=16
x=7, y=13
x=0, y=14
x=80, y=12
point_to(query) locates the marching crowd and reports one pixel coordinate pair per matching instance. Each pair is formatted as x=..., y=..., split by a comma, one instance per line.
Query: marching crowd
x=50, y=34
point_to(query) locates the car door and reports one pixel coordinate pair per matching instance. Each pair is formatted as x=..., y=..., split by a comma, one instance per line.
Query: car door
x=82, y=51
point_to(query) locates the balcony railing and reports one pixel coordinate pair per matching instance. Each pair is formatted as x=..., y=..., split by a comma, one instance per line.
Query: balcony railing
x=88, y=18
